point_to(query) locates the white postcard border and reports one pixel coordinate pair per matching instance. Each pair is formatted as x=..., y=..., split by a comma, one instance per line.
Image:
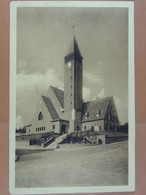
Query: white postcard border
x=12, y=100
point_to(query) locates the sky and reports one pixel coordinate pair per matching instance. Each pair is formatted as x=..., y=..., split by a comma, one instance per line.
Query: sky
x=44, y=36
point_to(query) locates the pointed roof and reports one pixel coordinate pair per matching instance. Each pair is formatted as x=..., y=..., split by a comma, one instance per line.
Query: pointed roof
x=95, y=106
x=50, y=107
x=59, y=94
x=74, y=48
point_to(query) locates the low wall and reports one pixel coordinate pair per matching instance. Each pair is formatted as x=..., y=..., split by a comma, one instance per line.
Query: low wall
x=112, y=139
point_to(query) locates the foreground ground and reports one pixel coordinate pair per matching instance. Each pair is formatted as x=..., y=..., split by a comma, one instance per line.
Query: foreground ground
x=74, y=165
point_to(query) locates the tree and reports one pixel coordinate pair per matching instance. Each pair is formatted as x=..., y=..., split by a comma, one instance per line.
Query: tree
x=17, y=130
x=23, y=130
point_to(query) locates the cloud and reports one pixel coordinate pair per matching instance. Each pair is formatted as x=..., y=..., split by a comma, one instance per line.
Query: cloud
x=21, y=64
x=101, y=94
x=118, y=102
x=29, y=89
x=92, y=77
x=86, y=94
x=19, y=122
x=37, y=81
x=122, y=109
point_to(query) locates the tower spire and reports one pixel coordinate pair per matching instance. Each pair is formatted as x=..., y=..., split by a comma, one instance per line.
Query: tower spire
x=74, y=51
x=76, y=47
x=73, y=29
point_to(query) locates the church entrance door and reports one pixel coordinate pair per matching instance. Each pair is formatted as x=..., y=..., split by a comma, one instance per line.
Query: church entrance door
x=63, y=129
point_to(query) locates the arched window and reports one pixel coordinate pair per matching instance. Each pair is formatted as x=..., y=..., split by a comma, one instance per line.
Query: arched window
x=40, y=116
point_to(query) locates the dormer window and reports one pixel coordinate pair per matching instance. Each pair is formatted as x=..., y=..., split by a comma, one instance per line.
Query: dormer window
x=40, y=116
x=62, y=110
x=98, y=113
x=86, y=115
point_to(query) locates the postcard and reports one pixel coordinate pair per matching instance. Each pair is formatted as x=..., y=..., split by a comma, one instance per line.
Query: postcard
x=72, y=97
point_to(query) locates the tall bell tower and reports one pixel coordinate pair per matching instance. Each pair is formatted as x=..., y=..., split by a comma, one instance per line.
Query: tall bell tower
x=73, y=84
x=73, y=79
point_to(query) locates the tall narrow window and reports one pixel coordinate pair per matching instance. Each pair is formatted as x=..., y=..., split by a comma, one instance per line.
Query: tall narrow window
x=86, y=115
x=78, y=127
x=98, y=113
x=40, y=116
x=109, y=117
x=100, y=128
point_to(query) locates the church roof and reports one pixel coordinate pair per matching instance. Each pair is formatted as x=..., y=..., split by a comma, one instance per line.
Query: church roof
x=91, y=108
x=74, y=48
x=59, y=94
x=96, y=106
x=50, y=107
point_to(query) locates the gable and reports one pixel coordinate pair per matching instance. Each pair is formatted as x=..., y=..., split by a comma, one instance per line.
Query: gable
x=112, y=111
x=96, y=109
x=44, y=113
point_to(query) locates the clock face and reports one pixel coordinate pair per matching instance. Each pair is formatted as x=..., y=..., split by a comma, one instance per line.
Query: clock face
x=69, y=64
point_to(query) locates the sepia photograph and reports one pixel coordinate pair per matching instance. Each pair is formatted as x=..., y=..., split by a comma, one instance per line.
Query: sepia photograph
x=72, y=97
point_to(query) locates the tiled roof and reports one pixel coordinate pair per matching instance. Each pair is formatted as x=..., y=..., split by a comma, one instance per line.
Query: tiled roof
x=91, y=108
x=59, y=94
x=50, y=107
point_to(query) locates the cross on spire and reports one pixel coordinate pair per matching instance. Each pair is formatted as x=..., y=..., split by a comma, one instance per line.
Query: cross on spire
x=73, y=28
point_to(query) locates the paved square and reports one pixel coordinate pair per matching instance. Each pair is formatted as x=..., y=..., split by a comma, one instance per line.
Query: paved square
x=74, y=165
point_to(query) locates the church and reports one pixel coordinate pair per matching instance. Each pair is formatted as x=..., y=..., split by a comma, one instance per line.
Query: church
x=64, y=112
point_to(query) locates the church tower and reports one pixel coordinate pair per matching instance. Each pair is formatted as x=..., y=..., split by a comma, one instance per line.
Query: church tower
x=73, y=79
x=73, y=84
